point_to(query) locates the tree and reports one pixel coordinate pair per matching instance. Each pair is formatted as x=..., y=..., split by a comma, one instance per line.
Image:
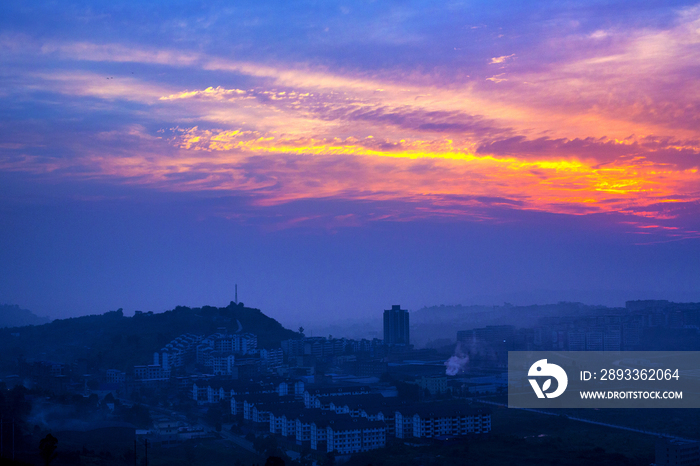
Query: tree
x=267, y=445
x=330, y=459
x=274, y=461
x=138, y=415
x=408, y=392
x=47, y=449
x=109, y=398
x=305, y=458
x=214, y=417
x=189, y=453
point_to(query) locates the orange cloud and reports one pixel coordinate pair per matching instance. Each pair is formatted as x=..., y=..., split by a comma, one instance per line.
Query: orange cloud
x=501, y=59
x=282, y=169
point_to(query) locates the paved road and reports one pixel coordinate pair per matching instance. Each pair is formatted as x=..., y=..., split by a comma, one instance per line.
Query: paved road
x=588, y=421
x=238, y=440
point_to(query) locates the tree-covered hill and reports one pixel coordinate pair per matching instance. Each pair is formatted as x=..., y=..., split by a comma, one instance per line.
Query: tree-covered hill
x=112, y=340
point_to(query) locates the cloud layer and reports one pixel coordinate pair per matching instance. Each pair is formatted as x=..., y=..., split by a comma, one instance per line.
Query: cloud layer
x=580, y=118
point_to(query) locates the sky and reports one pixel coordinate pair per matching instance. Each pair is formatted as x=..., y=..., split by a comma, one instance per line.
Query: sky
x=335, y=158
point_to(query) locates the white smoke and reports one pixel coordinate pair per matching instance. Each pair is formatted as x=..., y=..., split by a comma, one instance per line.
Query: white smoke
x=457, y=362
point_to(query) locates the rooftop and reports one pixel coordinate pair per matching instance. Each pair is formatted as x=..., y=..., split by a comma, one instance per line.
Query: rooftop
x=354, y=423
x=432, y=410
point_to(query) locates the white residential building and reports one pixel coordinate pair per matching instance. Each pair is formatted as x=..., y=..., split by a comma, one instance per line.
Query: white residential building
x=240, y=343
x=435, y=420
x=271, y=358
x=115, y=376
x=176, y=352
x=355, y=435
x=151, y=373
x=223, y=363
x=676, y=452
x=208, y=392
x=289, y=425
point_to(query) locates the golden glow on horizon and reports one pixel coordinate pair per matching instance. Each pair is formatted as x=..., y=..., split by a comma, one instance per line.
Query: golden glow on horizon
x=307, y=168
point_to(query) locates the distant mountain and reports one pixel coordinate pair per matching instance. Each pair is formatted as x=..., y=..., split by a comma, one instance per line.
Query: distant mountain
x=14, y=316
x=115, y=341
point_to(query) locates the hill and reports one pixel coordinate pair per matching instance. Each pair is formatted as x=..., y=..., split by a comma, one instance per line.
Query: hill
x=14, y=316
x=112, y=340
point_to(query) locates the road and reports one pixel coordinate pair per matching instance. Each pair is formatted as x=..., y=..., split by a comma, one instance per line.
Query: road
x=588, y=421
x=238, y=440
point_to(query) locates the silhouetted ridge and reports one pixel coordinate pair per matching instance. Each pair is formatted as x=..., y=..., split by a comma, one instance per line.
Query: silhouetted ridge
x=14, y=316
x=113, y=340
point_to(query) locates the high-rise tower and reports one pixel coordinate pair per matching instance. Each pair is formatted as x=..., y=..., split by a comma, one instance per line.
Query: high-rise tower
x=396, y=326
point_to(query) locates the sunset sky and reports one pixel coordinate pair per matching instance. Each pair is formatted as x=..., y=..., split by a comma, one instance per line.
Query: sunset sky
x=334, y=158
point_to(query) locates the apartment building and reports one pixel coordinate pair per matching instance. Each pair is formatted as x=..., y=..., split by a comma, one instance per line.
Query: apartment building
x=354, y=435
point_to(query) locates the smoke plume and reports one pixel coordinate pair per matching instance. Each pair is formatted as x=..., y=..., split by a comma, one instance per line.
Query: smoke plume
x=457, y=362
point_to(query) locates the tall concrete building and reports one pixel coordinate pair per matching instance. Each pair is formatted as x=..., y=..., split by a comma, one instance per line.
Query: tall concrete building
x=396, y=326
